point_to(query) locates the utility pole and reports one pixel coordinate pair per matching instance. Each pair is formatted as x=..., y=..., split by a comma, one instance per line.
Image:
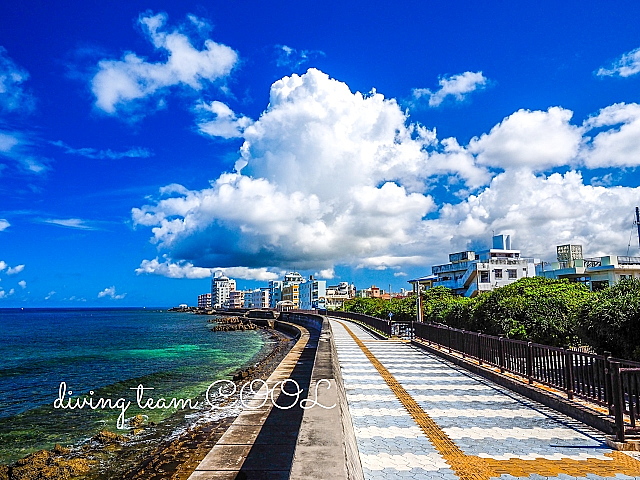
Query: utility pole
x=638, y=223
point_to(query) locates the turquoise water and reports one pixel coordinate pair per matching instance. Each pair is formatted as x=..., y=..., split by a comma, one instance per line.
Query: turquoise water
x=107, y=352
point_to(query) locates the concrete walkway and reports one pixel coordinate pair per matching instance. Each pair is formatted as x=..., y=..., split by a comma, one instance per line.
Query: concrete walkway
x=418, y=416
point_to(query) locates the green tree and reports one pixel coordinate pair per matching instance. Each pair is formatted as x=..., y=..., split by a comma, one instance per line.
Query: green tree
x=441, y=305
x=543, y=310
x=611, y=320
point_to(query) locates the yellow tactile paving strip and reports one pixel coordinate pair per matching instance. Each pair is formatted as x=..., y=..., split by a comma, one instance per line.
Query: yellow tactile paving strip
x=469, y=467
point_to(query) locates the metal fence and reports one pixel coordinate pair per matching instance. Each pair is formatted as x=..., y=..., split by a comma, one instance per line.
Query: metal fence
x=382, y=326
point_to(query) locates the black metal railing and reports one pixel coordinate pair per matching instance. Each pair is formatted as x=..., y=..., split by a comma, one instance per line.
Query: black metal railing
x=625, y=385
x=382, y=326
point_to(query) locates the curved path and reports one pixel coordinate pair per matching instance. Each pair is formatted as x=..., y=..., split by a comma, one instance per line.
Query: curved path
x=418, y=416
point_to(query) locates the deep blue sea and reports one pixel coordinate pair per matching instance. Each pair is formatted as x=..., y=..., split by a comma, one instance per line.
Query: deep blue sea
x=106, y=352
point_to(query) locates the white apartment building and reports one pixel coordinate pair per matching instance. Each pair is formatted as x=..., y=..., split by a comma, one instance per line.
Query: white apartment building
x=596, y=273
x=313, y=294
x=221, y=287
x=469, y=273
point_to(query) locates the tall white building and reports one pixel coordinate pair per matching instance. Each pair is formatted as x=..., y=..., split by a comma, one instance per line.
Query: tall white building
x=313, y=294
x=221, y=287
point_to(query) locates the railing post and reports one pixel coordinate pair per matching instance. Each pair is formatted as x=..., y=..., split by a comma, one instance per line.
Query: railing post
x=479, y=349
x=501, y=353
x=449, y=338
x=618, y=401
x=608, y=396
x=464, y=343
x=568, y=371
x=530, y=362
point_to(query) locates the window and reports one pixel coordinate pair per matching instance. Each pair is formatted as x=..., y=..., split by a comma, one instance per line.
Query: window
x=484, y=276
x=498, y=274
x=513, y=273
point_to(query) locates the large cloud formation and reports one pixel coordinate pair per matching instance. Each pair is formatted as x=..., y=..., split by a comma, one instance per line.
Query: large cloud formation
x=327, y=177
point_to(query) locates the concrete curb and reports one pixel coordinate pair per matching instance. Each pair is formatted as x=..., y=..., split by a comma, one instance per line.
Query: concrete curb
x=325, y=451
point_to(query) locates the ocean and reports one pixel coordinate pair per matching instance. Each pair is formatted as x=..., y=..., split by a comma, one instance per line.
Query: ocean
x=105, y=353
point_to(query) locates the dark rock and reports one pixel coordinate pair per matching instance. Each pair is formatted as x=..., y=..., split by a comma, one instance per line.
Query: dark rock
x=136, y=422
x=105, y=437
x=45, y=465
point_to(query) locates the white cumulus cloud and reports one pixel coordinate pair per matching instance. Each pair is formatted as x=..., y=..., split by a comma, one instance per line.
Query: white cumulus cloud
x=15, y=270
x=617, y=143
x=4, y=293
x=119, y=83
x=111, y=293
x=4, y=224
x=457, y=86
x=327, y=273
x=324, y=173
x=541, y=212
x=22, y=284
x=534, y=140
x=628, y=64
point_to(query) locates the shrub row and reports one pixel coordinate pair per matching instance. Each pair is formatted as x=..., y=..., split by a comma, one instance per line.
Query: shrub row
x=551, y=312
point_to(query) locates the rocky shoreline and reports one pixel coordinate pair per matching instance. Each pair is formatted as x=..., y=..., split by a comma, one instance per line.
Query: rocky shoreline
x=108, y=456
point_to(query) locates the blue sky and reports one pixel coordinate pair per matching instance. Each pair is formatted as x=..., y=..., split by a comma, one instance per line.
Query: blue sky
x=144, y=143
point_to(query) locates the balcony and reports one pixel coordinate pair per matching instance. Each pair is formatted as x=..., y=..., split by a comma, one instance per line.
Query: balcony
x=450, y=267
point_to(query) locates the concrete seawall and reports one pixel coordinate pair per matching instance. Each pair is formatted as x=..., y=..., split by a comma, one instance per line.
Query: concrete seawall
x=265, y=442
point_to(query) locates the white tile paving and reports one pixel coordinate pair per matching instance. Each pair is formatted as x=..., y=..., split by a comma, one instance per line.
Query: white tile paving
x=483, y=419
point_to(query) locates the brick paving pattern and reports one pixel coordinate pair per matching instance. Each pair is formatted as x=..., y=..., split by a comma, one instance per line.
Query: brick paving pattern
x=418, y=416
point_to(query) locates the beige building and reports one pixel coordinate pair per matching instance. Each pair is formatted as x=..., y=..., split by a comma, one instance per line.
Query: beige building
x=236, y=298
x=291, y=293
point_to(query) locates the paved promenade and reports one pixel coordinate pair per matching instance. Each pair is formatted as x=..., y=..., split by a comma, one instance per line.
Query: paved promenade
x=418, y=416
